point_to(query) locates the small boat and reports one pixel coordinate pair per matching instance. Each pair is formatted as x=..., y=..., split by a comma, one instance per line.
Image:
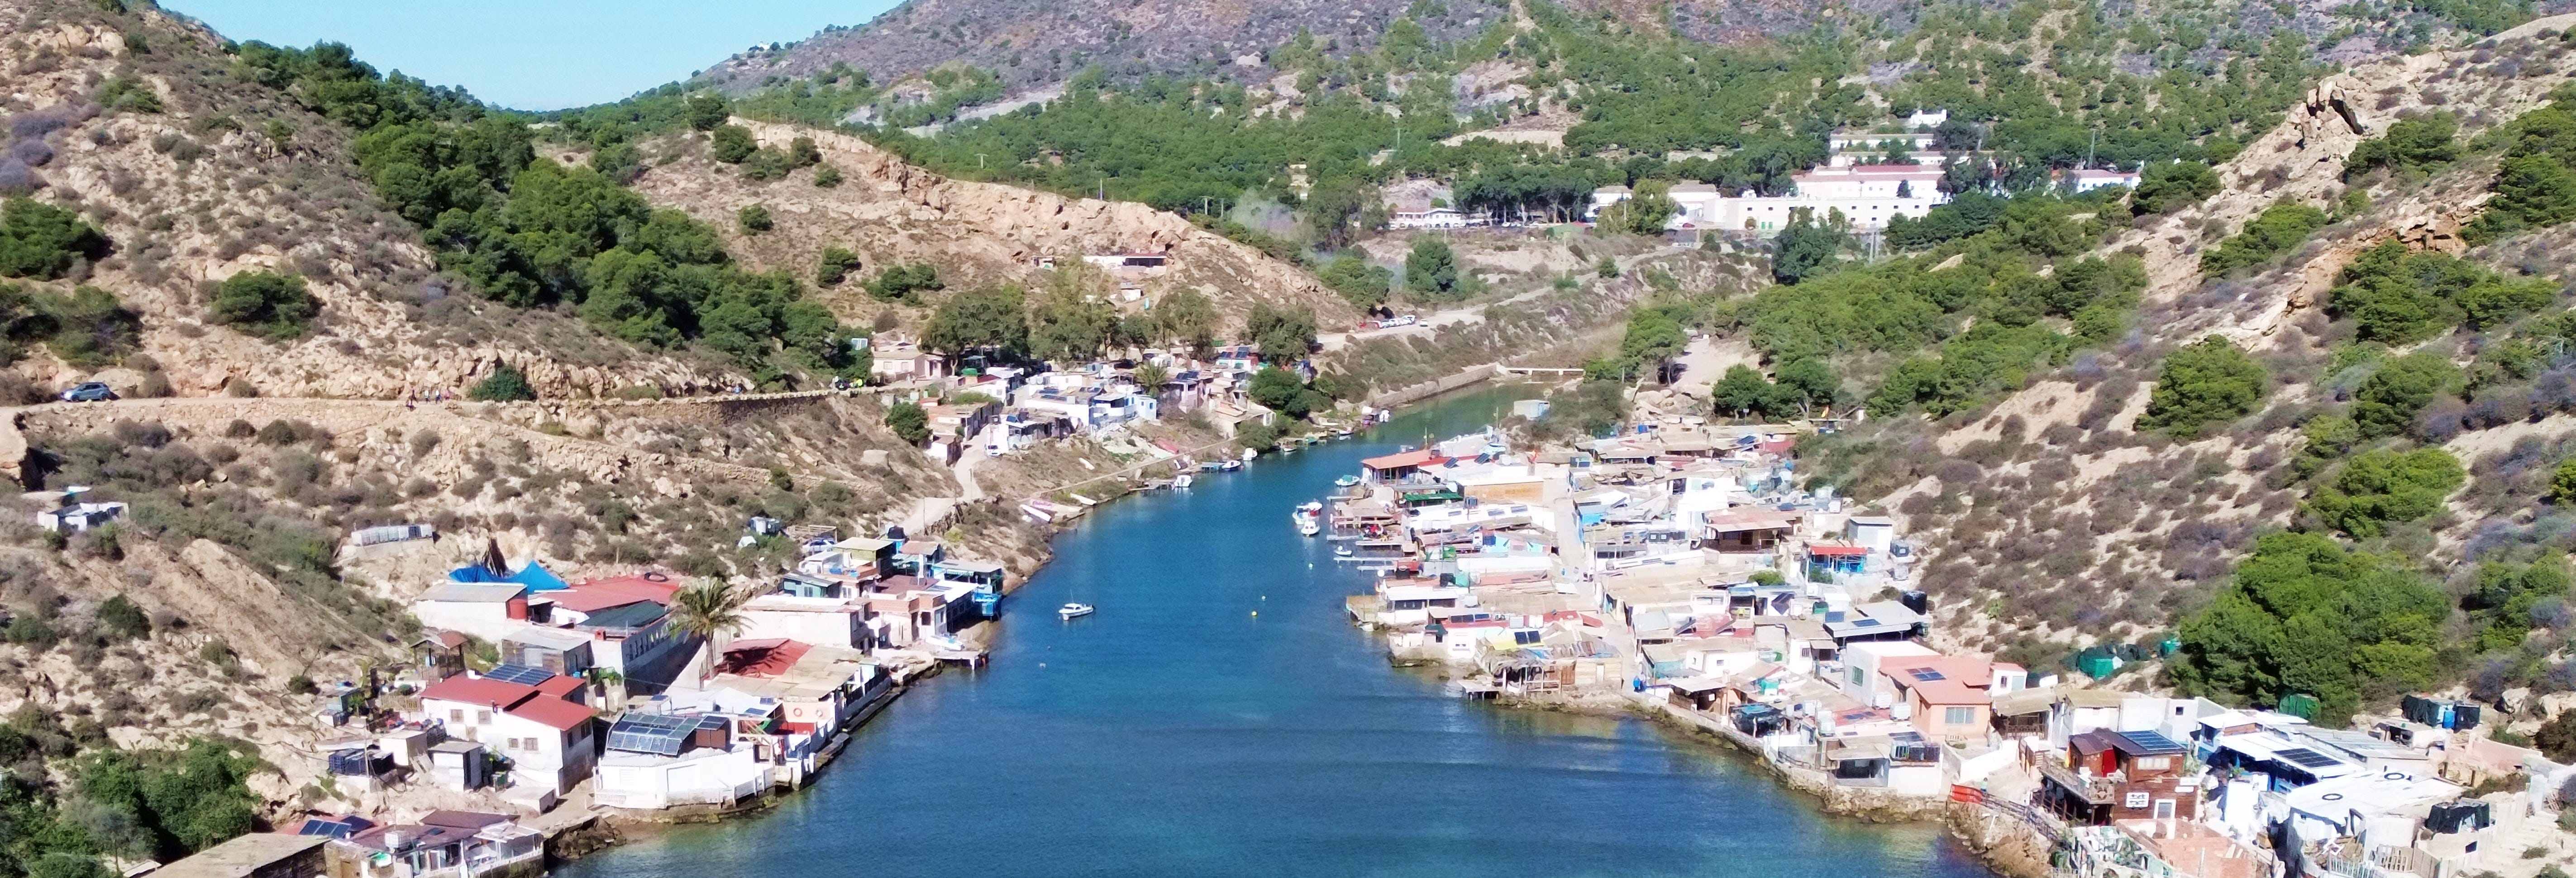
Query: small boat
x=1309, y=518
x=1249, y=454
x=1230, y=466
x=1346, y=481
x=1342, y=551
x=1182, y=482
x=1075, y=611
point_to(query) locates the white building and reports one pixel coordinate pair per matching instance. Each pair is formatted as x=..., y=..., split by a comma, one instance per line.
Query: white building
x=543, y=729
x=2089, y=179
x=1868, y=196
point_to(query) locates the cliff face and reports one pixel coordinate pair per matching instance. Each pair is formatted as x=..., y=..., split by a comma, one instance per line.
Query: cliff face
x=892, y=213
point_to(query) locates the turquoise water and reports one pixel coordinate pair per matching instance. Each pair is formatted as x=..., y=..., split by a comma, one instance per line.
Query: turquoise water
x=1221, y=716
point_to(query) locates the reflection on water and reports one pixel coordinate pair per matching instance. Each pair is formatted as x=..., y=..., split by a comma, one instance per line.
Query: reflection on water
x=1220, y=716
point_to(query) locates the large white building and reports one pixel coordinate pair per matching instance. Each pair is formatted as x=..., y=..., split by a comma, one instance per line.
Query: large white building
x=1867, y=195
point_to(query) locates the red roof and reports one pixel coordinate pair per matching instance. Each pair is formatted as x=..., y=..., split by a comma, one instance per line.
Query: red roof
x=552, y=713
x=1837, y=550
x=1402, y=459
x=591, y=596
x=559, y=686
x=477, y=690
x=767, y=657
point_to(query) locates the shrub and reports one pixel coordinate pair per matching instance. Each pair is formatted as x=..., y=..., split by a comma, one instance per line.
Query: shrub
x=42, y=241
x=2203, y=383
x=2387, y=401
x=120, y=618
x=2410, y=145
x=2279, y=228
x=754, y=219
x=2383, y=486
x=2306, y=615
x=506, y=384
x=2164, y=187
x=265, y=304
x=2396, y=297
x=827, y=177
x=905, y=283
x=732, y=144
x=908, y=422
x=835, y=266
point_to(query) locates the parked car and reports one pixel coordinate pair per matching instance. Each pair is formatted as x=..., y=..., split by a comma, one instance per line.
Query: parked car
x=1393, y=322
x=91, y=392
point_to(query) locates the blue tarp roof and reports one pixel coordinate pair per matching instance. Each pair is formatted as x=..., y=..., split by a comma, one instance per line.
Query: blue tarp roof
x=535, y=576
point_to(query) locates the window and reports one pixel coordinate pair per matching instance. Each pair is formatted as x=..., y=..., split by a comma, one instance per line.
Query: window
x=456, y=715
x=1959, y=716
x=482, y=717
x=2151, y=763
x=1857, y=678
x=2164, y=809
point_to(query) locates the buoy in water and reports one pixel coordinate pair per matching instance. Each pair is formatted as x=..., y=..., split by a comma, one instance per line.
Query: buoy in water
x=1256, y=612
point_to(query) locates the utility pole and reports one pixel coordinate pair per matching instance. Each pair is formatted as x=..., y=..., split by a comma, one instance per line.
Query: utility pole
x=2089, y=148
x=979, y=161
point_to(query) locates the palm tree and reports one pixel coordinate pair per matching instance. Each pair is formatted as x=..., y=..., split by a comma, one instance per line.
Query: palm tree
x=709, y=610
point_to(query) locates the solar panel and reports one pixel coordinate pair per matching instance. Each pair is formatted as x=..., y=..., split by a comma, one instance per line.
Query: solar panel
x=651, y=733
x=1925, y=675
x=2152, y=743
x=520, y=674
x=2306, y=758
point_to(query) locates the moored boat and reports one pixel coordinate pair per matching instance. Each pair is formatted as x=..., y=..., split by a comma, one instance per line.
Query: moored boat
x=1075, y=611
x=1346, y=481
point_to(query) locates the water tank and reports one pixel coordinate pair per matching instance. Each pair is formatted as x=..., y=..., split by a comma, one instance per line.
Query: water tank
x=1916, y=600
x=1904, y=710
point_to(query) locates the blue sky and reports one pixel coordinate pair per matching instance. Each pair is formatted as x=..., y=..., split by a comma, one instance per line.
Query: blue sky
x=533, y=54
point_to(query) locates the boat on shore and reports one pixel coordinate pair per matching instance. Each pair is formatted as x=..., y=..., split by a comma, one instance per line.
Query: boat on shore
x=1075, y=611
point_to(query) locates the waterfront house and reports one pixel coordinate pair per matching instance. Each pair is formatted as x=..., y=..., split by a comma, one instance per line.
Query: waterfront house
x=554, y=650
x=659, y=760
x=2112, y=775
x=539, y=725
x=438, y=655
x=444, y=844
x=1397, y=467
x=842, y=621
x=628, y=618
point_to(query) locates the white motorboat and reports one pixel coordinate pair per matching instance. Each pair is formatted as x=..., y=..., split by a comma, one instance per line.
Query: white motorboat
x=1075, y=611
x=1183, y=481
x=1249, y=454
x=1309, y=518
x=1346, y=481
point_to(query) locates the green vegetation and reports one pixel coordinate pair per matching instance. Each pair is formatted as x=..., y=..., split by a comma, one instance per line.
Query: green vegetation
x=264, y=304
x=1284, y=335
x=2506, y=595
x=835, y=266
x=1655, y=335
x=2396, y=297
x=992, y=317
x=1431, y=271
x=2535, y=187
x=528, y=232
x=41, y=241
x=2381, y=487
x=1644, y=213
x=753, y=219
x=905, y=283
x=2204, y=383
x=1281, y=391
x=1806, y=248
x=1363, y=285
x=2164, y=187
x=86, y=327
x=2307, y=616
x=908, y=422
x=731, y=144
x=1804, y=386
x=2388, y=401
x=2279, y=228
x=2411, y=146
x=505, y=384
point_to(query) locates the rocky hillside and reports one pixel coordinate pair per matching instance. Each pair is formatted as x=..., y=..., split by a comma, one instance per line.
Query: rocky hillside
x=889, y=213
x=196, y=186
x=1034, y=43
x=2056, y=521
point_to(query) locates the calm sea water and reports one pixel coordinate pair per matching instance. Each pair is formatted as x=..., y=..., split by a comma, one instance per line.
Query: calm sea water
x=1221, y=716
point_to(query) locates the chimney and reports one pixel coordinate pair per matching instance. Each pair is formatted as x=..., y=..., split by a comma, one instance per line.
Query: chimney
x=518, y=608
